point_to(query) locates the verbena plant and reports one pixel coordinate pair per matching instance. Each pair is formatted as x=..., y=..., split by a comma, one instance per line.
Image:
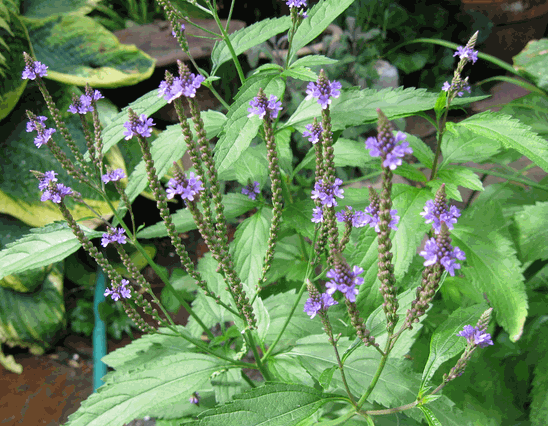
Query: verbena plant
x=343, y=335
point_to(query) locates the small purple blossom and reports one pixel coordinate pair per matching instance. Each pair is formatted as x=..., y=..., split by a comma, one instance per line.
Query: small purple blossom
x=113, y=176
x=313, y=132
x=252, y=190
x=141, y=128
x=171, y=91
x=83, y=105
x=317, y=215
x=190, y=82
x=53, y=191
x=194, y=399
x=48, y=177
x=445, y=256
x=372, y=218
x=313, y=306
x=323, y=90
x=182, y=29
x=475, y=336
x=345, y=282
x=120, y=291
x=260, y=106
x=38, y=68
x=467, y=53
x=389, y=150
x=356, y=218
x=187, y=188
x=114, y=235
x=44, y=134
x=296, y=3
x=326, y=194
x=436, y=214
x=458, y=87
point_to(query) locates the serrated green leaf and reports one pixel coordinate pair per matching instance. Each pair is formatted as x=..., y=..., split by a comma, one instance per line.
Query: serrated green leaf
x=450, y=189
x=277, y=404
x=445, y=344
x=253, y=166
x=319, y=18
x=539, y=394
x=283, y=149
x=350, y=153
x=157, y=389
x=410, y=172
x=461, y=176
x=240, y=129
x=234, y=206
x=460, y=145
x=532, y=235
x=313, y=61
x=355, y=107
x=79, y=50
x=248, y=37
x=420, y=150
x=495, y=270
x=41, y=247
x=440, y=104
x=511, y=133
x=429, y=415
x=300, y=73
x=531, y=109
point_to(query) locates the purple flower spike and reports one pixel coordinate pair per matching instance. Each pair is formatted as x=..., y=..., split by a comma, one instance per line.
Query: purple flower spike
x=171, y=91
x=464, y=52
x=326, y=194
x=459, y=87
x=38, y=68
x=313, y=132
x=261, y=106
x=445, y=255
x=120, y=291
x=296, y=3
x=44, y=134
x=475, y=336
x=194, y=399
x=142, y=127
x=312, y=306
x=187, y=188
x=323, y=90
x=317, y=215
x=114, y=235
x=389, y=149
x=113, y=176
x=190, y=82
x=252, y=190
x=372, y=218
x=182, y=29
x=53, y=191
x=356, y=218
x=345, y=282
x=48, y=177
x=437, y=212
x=84, y=104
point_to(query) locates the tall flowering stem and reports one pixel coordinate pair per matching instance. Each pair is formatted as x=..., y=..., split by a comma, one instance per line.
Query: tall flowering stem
x=466, y=54
x=386, y=267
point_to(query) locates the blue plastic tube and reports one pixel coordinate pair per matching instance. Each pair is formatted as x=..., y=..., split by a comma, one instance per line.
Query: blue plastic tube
x=99, y=332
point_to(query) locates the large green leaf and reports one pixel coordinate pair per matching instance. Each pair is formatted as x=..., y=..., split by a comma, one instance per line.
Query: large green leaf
x=248, y=37
x=155, y=382
x=79, y=50
x=532, y=62
x=234, y=206
x=40, y=248
x=354, y=107
x=19, y=193
x=460, y=176
x=532, y=232
x=240, y=129
x=460, y=145
x=539, y=394
x=11, y=62
x=511, y=133
x=319, y=18
x=531, y=109
x=277, y=404
x=494, y=270
x=44, y=8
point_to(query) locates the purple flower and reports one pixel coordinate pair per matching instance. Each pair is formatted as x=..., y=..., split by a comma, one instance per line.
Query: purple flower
x=444, y=255
x=187, y=188
x=113, y=176
x=313, y=306
x=303, y=14
x=296, y=3
x=83, y=105
x=190, y=82
x=356, y=218
x=38, y=68
x=260, y=106
x=53, y=191
x=313, y=132
x=436, y=213
x=389, y=150
x=194, y=399
x=345, y=282
x=467, y=53
x=142, y=127
x=182, y=29
x=44, y=134
x=326, y=194
x=457, y=86
x=475, y=336
x=252, y=190
x=114, y=235
x=317, y=215
x=372, y=218
x=120, y=291
x=171, y=91
x=323, y=90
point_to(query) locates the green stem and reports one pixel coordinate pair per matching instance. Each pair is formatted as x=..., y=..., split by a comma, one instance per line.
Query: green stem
x=341, y=420
x=441, y=131
x=159, y=271
x=377, y=375
x=392, y=410
x=263, y=369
